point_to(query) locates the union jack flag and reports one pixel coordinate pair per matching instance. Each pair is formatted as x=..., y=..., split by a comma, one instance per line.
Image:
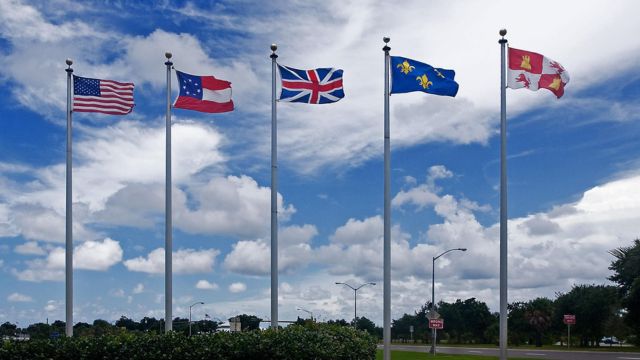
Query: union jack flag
x=315, y=86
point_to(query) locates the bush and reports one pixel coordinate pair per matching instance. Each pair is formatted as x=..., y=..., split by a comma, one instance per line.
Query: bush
x=315, y=341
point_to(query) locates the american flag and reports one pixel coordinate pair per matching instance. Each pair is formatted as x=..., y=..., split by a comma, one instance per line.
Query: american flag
x=102, y=96
x=315, y=86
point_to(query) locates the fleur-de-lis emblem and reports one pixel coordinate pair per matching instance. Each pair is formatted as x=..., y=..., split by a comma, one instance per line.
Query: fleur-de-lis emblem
x=555, y=84
x=526, y=62
x=405, y=67
x=424, y=81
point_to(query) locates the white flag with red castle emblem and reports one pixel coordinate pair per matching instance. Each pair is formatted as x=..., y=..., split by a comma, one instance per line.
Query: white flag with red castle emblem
x=533, y=71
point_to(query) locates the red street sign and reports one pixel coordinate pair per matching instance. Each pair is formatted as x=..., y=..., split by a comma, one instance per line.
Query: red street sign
x=569, y=319
x=436, y=324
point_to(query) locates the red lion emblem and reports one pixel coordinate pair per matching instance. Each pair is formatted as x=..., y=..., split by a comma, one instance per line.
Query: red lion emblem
x=523, y=79
x=558, y=67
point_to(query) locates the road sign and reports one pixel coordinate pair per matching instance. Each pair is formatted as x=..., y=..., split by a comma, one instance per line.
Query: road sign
x=436, y=324
x=432, y=314
x=569, y=319
x=410, y=328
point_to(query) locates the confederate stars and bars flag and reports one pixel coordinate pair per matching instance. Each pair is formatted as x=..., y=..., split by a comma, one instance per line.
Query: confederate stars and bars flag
x=534, y=71
x=315, y=86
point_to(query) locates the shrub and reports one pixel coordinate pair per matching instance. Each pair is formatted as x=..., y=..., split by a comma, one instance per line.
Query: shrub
x=314, y=341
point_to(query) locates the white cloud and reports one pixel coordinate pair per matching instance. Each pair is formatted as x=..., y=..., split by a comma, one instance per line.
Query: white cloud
x=206, y=285
x=89, y=255
x=253, y=257
x=238, y=208
x=138, y=289
x=237, y=287
x=30, y=248
x=53, y=306
x=119, y=293
x=95, y=255
x=17, y=297
x=185, y=261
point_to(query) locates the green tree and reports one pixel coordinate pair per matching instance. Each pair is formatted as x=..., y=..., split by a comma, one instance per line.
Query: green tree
x=466, y=321
x=39, y=331
x=249, y=322
x=626, y=269
x=129, y=324
x=593, y=306
x=340, y=322
x=8, y=329
x=519, y=328
x=151, y=324
x=539, y=313
x=362, y=323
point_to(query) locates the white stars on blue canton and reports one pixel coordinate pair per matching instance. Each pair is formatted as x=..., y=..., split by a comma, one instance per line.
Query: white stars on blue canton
x=86, y=86
x=190, y=85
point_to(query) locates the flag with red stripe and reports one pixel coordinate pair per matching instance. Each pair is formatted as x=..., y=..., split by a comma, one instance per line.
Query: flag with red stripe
x=315, y=86
x=102, y=96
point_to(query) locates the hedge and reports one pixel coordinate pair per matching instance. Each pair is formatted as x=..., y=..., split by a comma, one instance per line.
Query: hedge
x=315, y=342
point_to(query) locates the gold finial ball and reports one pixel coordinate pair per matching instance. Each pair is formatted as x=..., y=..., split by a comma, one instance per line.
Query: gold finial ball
x=386, y=39
x=69, y=62
x=274, y=47
x=503, y=32
x=168, y=55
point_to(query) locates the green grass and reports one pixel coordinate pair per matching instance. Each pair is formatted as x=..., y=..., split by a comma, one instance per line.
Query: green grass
x=410, y=355
x=606, y=348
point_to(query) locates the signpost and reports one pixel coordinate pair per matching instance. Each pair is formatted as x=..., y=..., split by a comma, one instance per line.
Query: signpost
x=437, y=324
x=569, y=320
x=411, y=331
x=433, y=315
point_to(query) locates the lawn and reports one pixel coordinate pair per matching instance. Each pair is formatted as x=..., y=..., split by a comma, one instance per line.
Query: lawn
x=410, y=355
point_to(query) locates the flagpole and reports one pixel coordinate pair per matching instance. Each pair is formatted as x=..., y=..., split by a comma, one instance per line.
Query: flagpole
x=274, y=193
x=387, y=210
x=168, y=233
x=503, y=199
x=69, y=215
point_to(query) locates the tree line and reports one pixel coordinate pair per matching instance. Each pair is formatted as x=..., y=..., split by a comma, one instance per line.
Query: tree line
x=600, y=310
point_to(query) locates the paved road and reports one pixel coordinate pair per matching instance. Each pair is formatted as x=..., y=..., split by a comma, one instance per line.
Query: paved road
x=528, y=353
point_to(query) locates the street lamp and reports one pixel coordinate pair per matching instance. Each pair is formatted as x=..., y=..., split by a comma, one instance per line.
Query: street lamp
x=433, y=292
x=190, y=306
x=355, y=299
x=307, y=311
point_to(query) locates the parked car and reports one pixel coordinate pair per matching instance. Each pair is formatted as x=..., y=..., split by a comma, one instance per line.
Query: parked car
x=610, y=340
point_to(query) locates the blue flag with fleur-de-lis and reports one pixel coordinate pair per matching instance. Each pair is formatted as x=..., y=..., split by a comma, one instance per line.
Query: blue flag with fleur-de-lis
x=408, y=75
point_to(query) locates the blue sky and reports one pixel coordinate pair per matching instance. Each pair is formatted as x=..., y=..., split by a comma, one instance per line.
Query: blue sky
x=573, y=163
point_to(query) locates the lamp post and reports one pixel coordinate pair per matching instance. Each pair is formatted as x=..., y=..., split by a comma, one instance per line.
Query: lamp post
x=433, y=292
x=355, y=299
x=307, y=311
x=190, y=306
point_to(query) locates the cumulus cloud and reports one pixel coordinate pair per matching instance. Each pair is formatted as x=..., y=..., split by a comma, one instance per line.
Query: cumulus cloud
x=17, y=297
x=253, y=257
x=206, y=285
x=138, y=289
x=89, y=255
x=237, y=287
x=185, y=261
x=97, y=255
x=30, y=248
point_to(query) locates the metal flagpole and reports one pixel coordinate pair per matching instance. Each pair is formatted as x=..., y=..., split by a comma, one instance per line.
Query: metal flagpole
x=274, y=193
x=503, y=199
x=387, y=210
x=168, y=233
x=69, y=215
